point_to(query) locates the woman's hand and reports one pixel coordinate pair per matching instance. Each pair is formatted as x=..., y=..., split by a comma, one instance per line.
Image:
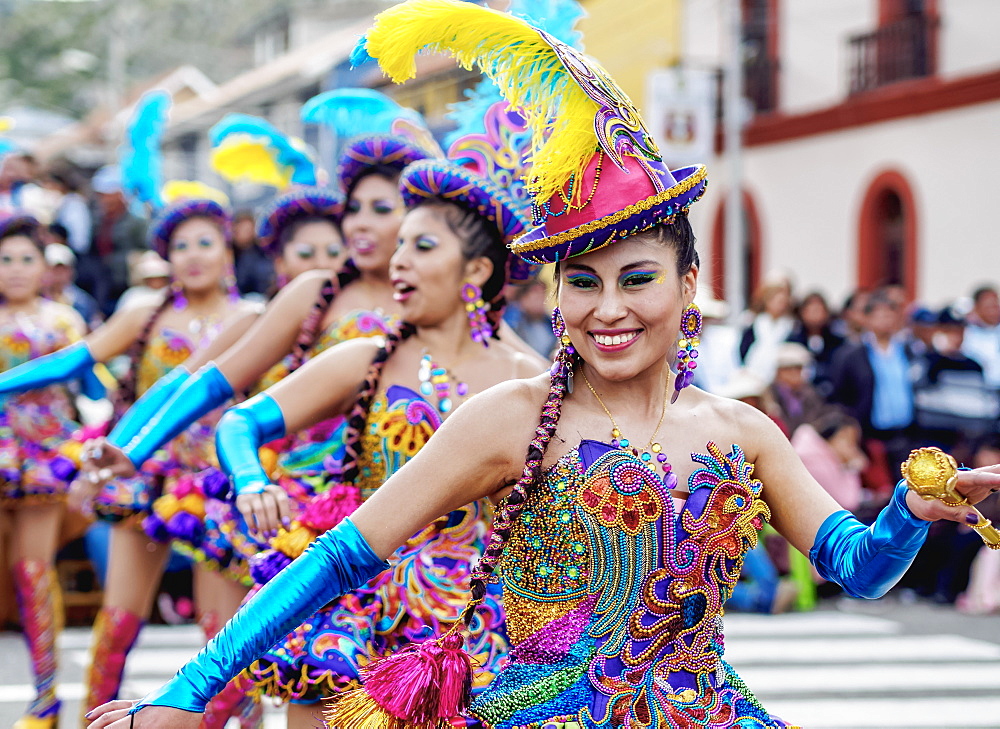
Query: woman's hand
x=103, y=461
x=114, y=715
x=265, y=511
x=974, y=485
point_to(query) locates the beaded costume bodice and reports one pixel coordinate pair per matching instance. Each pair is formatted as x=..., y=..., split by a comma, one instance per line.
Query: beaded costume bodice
x=25, y=337
x=351, y=325
x=399, y=424
x=168, y=348
x=615, y=596
x=315, y=453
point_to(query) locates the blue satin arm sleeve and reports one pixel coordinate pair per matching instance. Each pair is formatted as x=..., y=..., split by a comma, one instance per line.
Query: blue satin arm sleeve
x=204, y=391
x=145, y=408
x=68, y=363
x=337, y=562
x=867, y=561
x=239, y=435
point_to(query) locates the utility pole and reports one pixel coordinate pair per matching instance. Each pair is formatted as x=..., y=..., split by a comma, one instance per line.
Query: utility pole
x=732, y=119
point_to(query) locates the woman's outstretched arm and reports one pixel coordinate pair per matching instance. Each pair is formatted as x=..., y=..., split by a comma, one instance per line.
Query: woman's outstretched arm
x=477, y=453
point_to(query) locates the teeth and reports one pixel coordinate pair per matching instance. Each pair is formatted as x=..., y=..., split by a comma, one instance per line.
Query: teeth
x=609, y=341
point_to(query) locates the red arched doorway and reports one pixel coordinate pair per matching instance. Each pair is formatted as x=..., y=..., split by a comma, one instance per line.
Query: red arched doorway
x=751, y=250
x=887, y=234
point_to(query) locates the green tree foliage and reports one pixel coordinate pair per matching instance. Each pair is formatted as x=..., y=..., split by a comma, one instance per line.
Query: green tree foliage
x=54, y=53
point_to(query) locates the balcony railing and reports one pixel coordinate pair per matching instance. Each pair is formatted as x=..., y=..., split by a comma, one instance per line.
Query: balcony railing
x=895, y=52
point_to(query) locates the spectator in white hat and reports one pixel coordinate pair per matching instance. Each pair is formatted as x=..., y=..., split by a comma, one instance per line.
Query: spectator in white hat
x=151, y=279
x=60, y=286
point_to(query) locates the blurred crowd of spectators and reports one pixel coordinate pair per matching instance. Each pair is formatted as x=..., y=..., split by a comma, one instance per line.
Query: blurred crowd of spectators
x=856, y=390
x=96, y=241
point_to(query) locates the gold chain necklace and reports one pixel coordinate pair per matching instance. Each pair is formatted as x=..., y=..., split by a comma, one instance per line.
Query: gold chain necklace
x=653, y=449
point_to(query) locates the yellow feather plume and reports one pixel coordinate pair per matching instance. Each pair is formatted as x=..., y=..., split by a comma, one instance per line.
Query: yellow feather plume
x=519, y=61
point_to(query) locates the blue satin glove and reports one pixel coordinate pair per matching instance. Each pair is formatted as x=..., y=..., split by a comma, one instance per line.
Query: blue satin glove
x=867, y=561
x=204, y=391
x=69, y=363
x=339, y=561
x=91, y=385
x=146, y=407
x=240, y=434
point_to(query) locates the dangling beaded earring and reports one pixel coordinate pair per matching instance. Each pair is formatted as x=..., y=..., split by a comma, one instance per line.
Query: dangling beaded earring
x=475, y=309
x=229, y=281
x=687, y=349
x=559, y=329
x=177, y=294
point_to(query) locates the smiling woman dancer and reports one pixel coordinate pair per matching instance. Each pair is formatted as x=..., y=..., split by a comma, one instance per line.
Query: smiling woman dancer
x=34, y=475
x=194, y=235
x=619, y=536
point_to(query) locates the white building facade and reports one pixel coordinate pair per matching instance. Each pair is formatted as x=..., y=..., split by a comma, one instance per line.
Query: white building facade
x=872, y=155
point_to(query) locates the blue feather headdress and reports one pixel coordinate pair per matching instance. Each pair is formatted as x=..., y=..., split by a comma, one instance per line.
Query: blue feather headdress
x=140, y=154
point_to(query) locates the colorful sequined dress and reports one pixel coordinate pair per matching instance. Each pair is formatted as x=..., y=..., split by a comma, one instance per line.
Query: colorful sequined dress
x=132, y=498
x=34, y=424
x=425, y=588
x=615, y=597
x=196, y=512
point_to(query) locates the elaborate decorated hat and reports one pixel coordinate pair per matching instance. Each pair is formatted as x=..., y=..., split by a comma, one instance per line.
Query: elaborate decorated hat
x=377, y=150
x=446, y=180
x=586, y=131
x=166, y=222
x=380, y=132
x=299, y=203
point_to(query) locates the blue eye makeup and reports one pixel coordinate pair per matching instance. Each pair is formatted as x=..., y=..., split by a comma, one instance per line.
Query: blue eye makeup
x=205, y=242
x=425, y=243
x=383, y=208
x=582, y=280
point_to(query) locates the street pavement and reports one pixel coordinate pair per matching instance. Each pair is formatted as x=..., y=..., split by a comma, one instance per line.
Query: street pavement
x=849, y=664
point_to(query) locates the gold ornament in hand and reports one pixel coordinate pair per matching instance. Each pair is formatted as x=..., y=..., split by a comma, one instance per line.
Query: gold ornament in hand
x=933, y=474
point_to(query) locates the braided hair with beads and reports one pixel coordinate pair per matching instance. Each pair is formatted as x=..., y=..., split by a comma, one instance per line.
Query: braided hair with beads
x=128, y=384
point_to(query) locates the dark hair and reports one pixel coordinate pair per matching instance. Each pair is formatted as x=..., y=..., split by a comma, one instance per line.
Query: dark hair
x=833, y=420
x=983, y=291
x=879, y=298
x=310, y=329
x=288, y=231
x=27, y=227
x=59, y=230
x=809, y=297
x=128, y=384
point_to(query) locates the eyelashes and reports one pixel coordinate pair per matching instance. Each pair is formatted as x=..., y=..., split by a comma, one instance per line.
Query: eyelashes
x=628, y=280
x=582, y=280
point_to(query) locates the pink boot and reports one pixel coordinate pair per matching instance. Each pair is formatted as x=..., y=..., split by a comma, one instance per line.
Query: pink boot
x=38, y=600
x=115, y=631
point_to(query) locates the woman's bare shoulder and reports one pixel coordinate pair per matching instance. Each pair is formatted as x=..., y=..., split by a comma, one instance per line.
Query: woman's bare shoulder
x=732, y=422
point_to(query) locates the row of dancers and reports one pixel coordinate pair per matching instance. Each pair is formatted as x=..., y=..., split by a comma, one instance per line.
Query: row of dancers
x=392, y=535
